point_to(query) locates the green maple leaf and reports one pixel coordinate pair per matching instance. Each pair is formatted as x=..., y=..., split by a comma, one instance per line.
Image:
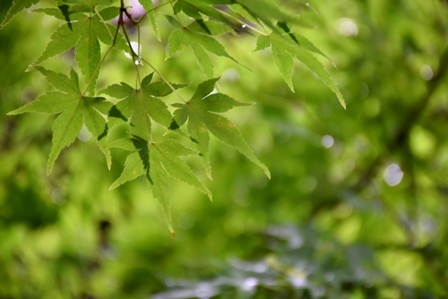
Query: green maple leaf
x=202, y=112
x=142, y=105
x=197, y=36
x=166, y=164
x=84, y=31
x=266, y=11
x=137, y=162
x=149, y=8
x=160, y=162
x=73, y=109
x=64, y=12
x=16, y=7
x=285, y=47
x=300, y=40
x=87, y=3
x=241, y=13
x=195, y=8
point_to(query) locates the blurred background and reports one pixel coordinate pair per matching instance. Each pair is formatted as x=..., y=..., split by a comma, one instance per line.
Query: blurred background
x=358, y=201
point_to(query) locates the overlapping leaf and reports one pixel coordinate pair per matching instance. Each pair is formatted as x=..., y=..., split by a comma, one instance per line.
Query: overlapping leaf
x=202, y=114
x=74, y=110
x=166, y=164
x=160, y=162
x=16, y=7
x=142, y=105
x=84, y=31
x=128, y=123
x=265, y=10
x=87, y=3
x=198, y=36
x=287, y=46
x=136, y=164
x=261, y=14
x=149, y=7
x=196, y=9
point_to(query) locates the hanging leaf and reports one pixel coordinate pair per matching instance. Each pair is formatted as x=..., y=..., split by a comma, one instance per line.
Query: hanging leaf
x=128, y=123
x=166, y=164
x=160, y=162
x=202, y=111
x=136, y=164
x=197, y=37
x=142, y=105
x=149, y=8
x=195, y=10
x=74, y=110
x=284, y=61
x=266, y=11
x=16, y=7
x=286, y=46
x=301, y=40
x=262, y=42
x=84, y=31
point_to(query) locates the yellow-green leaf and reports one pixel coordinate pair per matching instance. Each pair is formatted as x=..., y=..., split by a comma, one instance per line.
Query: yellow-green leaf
x=16, y=7
x=74, y=110
x=284, y=47
x=202, y=119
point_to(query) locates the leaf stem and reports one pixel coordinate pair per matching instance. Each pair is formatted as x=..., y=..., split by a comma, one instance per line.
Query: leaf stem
x=165, y=80
x=177, y=17
x=104, y=22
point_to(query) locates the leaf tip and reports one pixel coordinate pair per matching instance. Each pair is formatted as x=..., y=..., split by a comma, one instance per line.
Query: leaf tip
x=49, y=168
x=342, y=102
x=172, y=233
x=208, y=170
x=108, y=162
x=265, y=169
x=267, y=173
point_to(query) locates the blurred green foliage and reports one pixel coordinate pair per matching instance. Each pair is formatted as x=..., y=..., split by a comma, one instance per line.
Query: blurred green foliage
x=357, y=203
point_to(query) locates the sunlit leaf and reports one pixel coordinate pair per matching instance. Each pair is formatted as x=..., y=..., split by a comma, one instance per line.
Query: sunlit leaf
x=74, y=110
x=262, y=42
x=202, y=118
x=193, y=36
x=160, y=162
x=84, y=31
x=196, y=9
x=142, y=105
x=284, y=47
x=149, y=8
x=168, y=153
x=301, y=40
x=16, y=7
x=284, y=61
x=133, y=168
x=166, y=164
x=267, y=11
